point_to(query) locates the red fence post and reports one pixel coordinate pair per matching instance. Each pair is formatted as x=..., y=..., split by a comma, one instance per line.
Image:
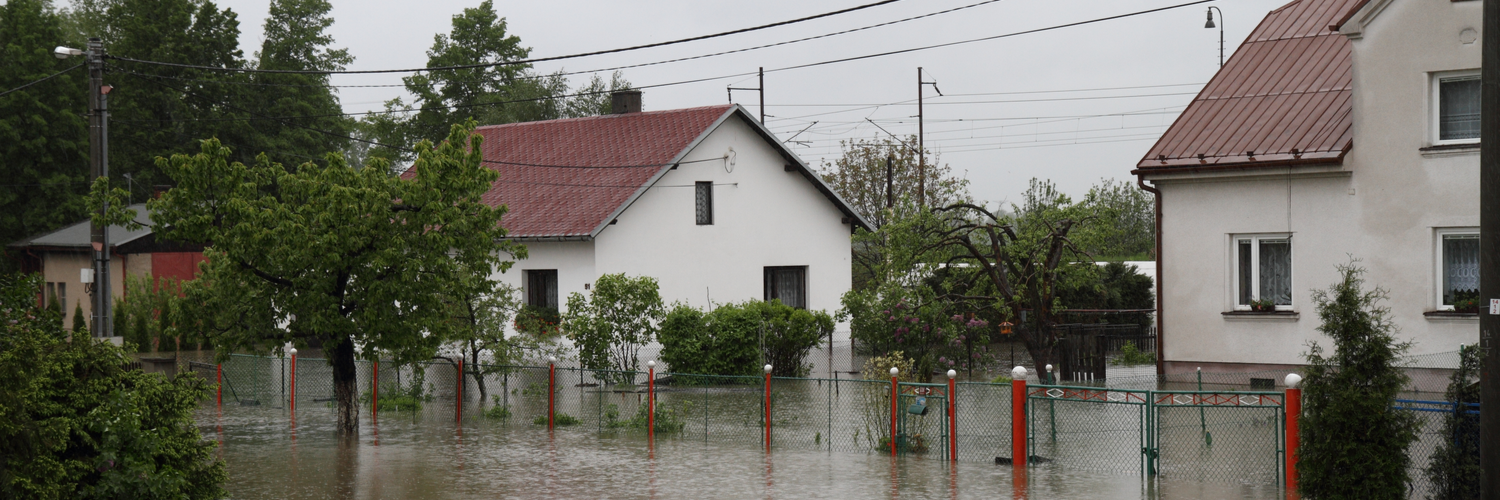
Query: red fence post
x=1293, y=437
x=767, y=370
x=375, y=391
x=952, y=417
x=895, y=403
x=651, y=402
x=1018, y=417
x=551, y=392
x=293, y=401
x=219, y=383
x=458, y=410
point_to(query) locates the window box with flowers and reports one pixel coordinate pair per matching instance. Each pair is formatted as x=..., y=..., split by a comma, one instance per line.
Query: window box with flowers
x=538, y=321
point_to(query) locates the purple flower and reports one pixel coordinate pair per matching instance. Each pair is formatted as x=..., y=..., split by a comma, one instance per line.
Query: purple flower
x=942, y=359
x=886, y=312
x=901, y=330
x=912, y=320
x=950, y=363
x=976, y=322
x=958, y=317
x=925, y=328
x=893, y=318
x=961, y=338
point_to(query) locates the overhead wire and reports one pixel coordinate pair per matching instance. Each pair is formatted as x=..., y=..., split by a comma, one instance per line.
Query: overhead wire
x=519, y=61
x=43, y=79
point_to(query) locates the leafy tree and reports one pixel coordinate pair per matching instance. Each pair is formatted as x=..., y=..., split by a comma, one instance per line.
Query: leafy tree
x=480, y=312
x=296, y=38
x=43, y=134
x=1129, y=230
x=157, y=111
x=1118, y=286
x=496, y=94
x=859, y=176
x=1353, y=442
x=75, y=423
x=355, y=258
x=608, y=327
x=966, y=259
x=1454, y=470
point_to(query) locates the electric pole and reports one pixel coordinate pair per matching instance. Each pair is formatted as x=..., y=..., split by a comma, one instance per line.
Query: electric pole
x=761, y=72
x=1489, y=254
x=921, y=141
x=99, y=167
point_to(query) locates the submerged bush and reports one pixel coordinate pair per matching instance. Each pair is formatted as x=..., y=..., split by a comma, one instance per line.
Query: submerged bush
x=1130, y=355
x=559, y=419
x=497, y=412
x=727, y=340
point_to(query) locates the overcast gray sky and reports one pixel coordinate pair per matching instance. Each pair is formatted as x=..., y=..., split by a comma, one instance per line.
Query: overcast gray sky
x=998, y=143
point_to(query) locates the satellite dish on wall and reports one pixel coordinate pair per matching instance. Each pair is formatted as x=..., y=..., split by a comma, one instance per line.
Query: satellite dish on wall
x=729, y=157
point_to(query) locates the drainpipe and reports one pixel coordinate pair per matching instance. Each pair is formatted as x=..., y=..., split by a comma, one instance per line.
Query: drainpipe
x=1140, y=180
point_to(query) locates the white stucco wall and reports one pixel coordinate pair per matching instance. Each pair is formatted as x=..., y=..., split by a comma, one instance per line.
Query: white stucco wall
x=1384, y=205
x=763, y=216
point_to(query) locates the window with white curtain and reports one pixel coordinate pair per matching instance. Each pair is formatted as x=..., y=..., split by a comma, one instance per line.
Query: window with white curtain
x=788, y=284
x=1263, y=270
x=1458, y=268
x=1456, y=107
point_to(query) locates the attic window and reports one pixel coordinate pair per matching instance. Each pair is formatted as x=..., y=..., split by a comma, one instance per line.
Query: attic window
x=703, y=202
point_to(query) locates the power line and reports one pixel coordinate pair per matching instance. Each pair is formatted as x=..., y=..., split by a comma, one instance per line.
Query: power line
x=628, y=66
x=517, y=62
x=1087, y=98
x=43, y=79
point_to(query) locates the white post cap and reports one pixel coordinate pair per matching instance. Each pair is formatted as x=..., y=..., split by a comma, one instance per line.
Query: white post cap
x=552, y=359
x=952, y=374
x=1018, y=373
x=651, y=364
x=894, y=371
x=1293, y=380
x=1049, y=368
x=294, y=351
x=1200, y=368
x=766, y=369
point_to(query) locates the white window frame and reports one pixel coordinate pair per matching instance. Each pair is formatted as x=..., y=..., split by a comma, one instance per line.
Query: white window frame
x=1435, y=118
x=1437, y=262
x=1234, y=266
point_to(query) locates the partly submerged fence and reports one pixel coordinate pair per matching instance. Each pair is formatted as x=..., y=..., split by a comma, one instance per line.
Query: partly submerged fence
x=1171, y=429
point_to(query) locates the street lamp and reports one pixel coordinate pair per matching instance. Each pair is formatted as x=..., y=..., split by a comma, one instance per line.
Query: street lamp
x=98, y=105
x=1210, y=25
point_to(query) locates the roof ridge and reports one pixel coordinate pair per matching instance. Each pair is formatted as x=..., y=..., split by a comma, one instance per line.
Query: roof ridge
x=605, y=117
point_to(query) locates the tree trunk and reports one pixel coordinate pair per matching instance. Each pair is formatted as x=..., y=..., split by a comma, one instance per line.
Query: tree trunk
x=478, y=374
x=344, y=390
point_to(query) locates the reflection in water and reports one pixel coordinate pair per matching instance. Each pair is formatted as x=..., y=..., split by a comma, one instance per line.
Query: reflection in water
x=416, y=456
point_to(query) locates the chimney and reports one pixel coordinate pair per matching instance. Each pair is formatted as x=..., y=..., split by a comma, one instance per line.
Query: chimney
x=625, y=101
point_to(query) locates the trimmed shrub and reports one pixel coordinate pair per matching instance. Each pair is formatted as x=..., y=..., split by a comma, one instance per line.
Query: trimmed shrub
x=728, y=340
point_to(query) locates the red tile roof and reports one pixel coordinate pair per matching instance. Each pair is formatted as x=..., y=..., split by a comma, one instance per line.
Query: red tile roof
x=1287, y=88
x=562, y=200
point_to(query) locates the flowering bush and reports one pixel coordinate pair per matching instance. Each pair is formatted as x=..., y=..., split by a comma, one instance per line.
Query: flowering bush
x=538, y=321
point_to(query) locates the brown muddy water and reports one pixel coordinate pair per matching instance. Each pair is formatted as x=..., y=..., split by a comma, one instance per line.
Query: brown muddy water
x=427, y=455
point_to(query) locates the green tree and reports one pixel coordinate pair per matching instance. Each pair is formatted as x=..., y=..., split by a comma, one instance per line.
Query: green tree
x=296, y=38
x=43, y=135
x=351, y=257
x=1129, y=228
x=736, y=339
x=79, y=324
x=481, y=311
x=1454, y=470
x=859, y=176
x=1353, y=442
x=496, y=94
x=75, y=423
x=608, y=327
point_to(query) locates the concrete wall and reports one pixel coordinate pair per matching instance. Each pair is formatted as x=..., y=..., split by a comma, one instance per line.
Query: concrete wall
x=62, y=267
x=1383, y=205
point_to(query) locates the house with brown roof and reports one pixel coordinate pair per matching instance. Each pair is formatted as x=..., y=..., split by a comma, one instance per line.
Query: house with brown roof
x=63, y=256
x=1339, y=128
x=706, y=200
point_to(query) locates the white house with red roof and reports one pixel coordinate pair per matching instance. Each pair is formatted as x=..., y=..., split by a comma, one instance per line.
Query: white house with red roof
x=1339, y=128
x=706, y=200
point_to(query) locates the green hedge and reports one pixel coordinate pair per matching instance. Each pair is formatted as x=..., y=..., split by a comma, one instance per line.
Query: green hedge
x=727, y=340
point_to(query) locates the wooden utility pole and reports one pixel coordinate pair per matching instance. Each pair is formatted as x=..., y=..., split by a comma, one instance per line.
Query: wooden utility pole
x=98, y=101
x=1489, y=254
x=921, y=141
x=761, y=89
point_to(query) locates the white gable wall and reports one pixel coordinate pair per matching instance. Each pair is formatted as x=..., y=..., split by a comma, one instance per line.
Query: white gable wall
x=1384, y=205
x=763, y=216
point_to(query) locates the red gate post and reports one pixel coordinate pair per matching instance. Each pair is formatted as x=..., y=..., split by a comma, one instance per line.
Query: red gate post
x=767, y=370
x=293, y=403
x=895, y=404
x=1293, y=437
x=458, y=409
x=551, y=391
x=219, y=383
x=1018, y=417
x=375, y=391
x=651, y=402
x=952, y=418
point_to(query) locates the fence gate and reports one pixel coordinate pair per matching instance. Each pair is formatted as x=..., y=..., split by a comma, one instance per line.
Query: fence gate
x=922, y=419
x=1194, y=435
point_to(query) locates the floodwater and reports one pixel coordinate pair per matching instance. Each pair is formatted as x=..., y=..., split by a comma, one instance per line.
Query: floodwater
x=426, y=455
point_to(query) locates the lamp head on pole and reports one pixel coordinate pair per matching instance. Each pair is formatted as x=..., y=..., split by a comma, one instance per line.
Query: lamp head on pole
x=1293, y=380
x=952, y=374
x=293, y=351
x=1210, y=23
x=65, y=52
x=895, y=371
x=1018, y=373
